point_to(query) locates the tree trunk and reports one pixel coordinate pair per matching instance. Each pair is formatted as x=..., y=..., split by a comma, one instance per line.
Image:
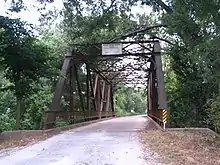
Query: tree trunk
x=18, y=113
x=19, y=110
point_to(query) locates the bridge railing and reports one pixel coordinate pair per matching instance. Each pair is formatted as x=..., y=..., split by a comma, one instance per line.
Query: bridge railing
x=157, y=117
x=72, y=117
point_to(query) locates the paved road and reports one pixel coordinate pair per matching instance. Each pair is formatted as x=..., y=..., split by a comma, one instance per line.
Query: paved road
x=111, y=142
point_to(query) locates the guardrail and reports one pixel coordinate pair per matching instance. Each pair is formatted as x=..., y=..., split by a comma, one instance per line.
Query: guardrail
x=157, y=117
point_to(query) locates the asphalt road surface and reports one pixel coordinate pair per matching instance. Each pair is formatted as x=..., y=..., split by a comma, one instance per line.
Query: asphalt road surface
x=110, y=142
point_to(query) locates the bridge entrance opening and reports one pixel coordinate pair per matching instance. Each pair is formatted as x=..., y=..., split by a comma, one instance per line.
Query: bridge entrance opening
x=91, y=72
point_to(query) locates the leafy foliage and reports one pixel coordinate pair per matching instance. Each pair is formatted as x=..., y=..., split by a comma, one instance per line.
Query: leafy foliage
x=130, y=101
x=100, y=23
x=18, y=47
x=22, y=57
x=214, y=113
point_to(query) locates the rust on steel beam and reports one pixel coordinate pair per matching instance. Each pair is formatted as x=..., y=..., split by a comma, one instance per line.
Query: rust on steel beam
x=102, y=99
x=79, y=89
x=80, y=58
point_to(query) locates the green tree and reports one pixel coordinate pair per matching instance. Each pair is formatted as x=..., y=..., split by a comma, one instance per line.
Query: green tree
x=129, y=100
x=23, y=58
x=193, y=77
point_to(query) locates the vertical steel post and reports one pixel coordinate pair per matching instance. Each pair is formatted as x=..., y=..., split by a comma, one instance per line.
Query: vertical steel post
x=73, y=93
x=96, y=93
x=96, y=84
x=162, y=102
x=92, y=91
x=150, y=96
x=98, y=97
x=112, y=101
x=154, y=94
x=88, y=89
x=79, y=89
x=152, y=90
x=70, y=110
x=108, y=99
x=102, y=99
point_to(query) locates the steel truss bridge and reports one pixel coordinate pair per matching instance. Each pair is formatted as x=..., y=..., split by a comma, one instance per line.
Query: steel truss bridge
x=102, y=66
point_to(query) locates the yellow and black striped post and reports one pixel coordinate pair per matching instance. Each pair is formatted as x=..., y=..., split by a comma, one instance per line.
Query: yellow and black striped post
x=164, y=118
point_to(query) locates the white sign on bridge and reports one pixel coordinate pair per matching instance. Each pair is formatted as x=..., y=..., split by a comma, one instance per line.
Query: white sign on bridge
x=112, y=49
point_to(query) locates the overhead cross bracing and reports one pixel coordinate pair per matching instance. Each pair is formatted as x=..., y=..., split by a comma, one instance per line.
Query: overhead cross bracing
x=131, y=67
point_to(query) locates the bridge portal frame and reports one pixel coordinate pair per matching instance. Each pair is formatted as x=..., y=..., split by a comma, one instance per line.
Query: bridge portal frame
x=102, y=75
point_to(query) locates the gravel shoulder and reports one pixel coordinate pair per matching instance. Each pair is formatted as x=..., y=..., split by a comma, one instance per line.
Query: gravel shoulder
x=22, y=143
x=182, y=147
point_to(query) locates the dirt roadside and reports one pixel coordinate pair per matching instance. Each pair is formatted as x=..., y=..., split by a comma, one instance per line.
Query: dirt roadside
x=182, y=147
x=24, y=142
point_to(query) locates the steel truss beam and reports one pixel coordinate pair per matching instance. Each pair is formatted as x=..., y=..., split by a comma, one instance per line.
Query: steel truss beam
x=135, y=66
